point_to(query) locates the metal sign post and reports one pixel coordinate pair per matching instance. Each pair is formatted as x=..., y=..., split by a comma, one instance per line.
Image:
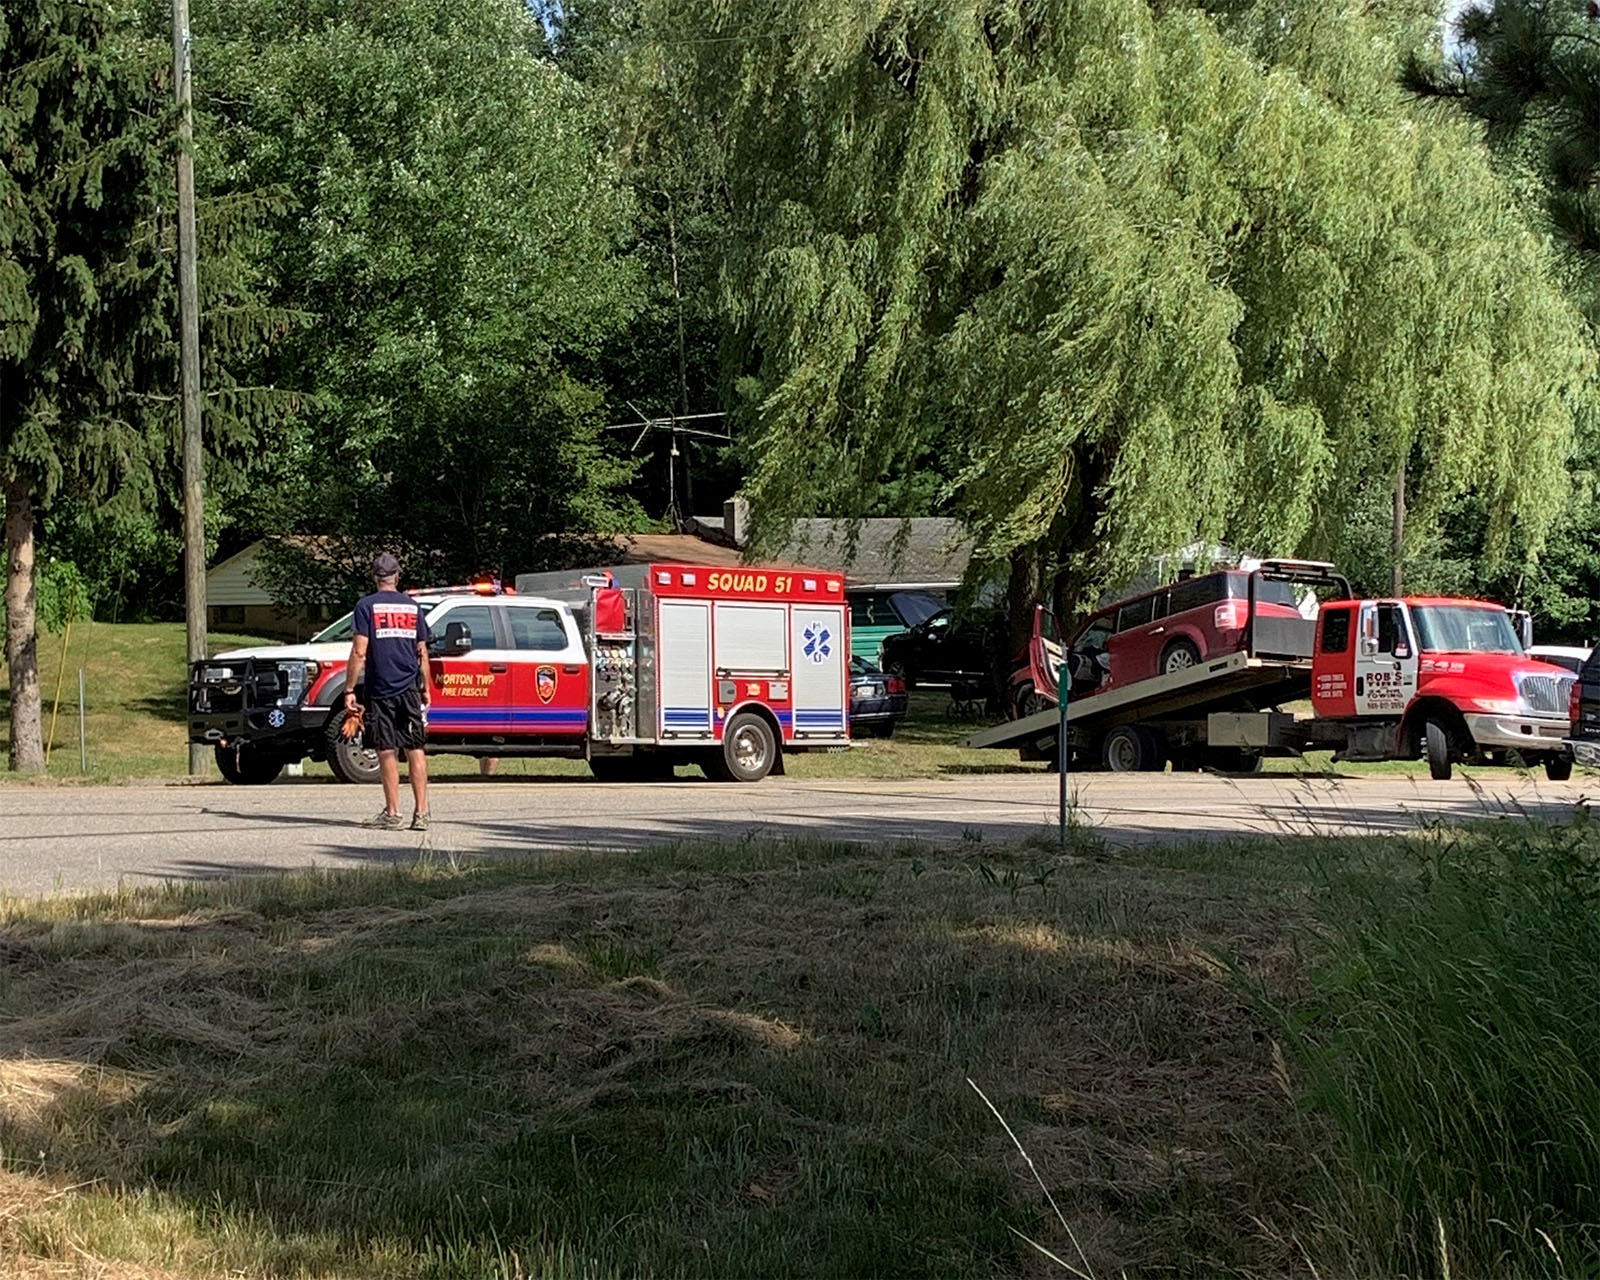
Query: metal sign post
x=1063, y=751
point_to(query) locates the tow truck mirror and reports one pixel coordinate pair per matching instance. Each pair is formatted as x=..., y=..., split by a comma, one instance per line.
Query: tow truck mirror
x=1369, y=645
x=457, y=639
x=1524, y=621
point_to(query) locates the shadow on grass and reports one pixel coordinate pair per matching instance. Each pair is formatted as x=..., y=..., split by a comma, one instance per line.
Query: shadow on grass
x=702, y=1061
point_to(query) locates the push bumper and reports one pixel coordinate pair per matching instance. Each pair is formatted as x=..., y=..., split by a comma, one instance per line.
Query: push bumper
x=245, y=701
x=1521, y=733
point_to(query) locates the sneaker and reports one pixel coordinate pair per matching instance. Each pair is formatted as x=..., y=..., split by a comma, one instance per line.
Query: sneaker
x=385, y=821
x=419, y=822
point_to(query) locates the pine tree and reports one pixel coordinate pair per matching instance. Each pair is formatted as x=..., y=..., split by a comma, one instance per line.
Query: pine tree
x=80, y=280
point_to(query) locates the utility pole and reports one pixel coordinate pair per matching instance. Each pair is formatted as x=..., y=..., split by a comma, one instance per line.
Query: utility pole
x=194, y=515
x=1397, y=535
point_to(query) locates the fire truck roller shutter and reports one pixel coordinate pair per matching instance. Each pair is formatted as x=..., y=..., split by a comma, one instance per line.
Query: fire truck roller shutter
x=751, y=638
x=818, y=637
x=684, y=646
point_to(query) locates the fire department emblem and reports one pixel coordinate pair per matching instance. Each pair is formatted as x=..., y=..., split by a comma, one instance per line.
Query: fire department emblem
x=544, y=680
x=818, y=642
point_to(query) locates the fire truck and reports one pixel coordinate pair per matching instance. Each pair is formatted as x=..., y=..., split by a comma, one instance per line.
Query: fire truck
x=1444, y=680
x=635, y=668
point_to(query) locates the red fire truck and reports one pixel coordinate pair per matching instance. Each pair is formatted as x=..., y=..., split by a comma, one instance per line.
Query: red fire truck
x=1442, y=679
x=635, y=668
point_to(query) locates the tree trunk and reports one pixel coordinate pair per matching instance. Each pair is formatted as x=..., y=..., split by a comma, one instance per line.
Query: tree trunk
x=22, y=641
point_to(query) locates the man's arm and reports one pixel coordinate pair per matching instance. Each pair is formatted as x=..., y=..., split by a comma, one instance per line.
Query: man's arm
x=353, y=668
x=427, y=678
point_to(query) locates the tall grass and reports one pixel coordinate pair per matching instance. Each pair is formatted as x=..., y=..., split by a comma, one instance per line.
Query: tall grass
x=1454, y=1042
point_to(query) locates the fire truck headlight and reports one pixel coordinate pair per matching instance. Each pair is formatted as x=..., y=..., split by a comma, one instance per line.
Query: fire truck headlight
x=1499, y=706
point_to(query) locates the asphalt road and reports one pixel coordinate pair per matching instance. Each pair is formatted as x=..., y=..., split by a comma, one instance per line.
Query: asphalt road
x=68, y=839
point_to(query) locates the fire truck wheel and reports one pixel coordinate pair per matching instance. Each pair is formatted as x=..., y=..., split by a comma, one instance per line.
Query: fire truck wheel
x=1131, y=748
x=1180, y=655
x=248, y=766
x=748, y=749
x=1436, y=744
x=1558, y=768
x=349, y=760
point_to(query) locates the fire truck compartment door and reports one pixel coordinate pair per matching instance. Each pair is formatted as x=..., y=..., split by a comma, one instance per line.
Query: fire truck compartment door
x=817, y=639
x=752, y=639
x=684, y=645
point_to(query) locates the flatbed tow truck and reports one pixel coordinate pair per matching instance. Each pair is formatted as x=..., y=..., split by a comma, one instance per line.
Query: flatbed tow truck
x=1440, y=679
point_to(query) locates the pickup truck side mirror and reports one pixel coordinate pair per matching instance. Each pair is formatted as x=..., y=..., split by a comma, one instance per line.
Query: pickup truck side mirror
x=457, y=640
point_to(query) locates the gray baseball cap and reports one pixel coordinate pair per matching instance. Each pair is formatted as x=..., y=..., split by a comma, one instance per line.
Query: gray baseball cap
x=384, y=565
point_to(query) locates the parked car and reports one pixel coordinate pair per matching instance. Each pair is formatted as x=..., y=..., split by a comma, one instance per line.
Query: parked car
x=1572, y=657
x=877, y=700
x=876, y=615
x=943, y=650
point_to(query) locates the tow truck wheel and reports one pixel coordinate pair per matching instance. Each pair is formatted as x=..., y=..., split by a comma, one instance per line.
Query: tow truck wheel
x=1558, y=768
x=349, y=759
x=1130, y=748
x=248, y=766
x=1436, y=745
x=748, y=749
x=1178, y=656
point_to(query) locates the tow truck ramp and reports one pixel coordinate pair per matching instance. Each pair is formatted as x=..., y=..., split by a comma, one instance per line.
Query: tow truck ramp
x=1237, y=682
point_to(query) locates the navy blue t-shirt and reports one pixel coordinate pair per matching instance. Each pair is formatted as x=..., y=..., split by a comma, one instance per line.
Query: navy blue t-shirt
x=392, y=623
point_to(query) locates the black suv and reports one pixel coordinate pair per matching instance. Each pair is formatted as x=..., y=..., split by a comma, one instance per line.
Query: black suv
x=1585, y=740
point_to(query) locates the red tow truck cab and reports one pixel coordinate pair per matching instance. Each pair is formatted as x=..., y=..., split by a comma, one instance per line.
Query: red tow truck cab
x=1436, y=677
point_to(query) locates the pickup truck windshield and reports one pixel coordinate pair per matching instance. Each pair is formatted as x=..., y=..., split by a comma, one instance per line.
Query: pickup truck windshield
x=1459, y=628
x=343, y=629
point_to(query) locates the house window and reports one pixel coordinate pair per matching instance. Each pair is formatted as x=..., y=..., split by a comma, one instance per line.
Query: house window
x=230, y=613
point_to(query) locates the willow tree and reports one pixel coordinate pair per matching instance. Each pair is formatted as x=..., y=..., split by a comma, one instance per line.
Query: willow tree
x=1138, y=276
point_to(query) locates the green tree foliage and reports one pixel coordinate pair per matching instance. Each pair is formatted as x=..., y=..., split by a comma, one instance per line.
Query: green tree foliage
x=88, y=350
x=80, y=281
x=463, y=250
x=1136, y=274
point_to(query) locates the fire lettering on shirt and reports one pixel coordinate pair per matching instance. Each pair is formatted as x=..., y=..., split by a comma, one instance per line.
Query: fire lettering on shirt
x=394, y=621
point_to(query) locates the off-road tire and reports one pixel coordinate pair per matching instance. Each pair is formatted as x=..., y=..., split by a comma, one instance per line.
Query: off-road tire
x=349, y=760
x=1436, y=747
x=1558, y=768
x=749, y=751
x=1180, y=655
x=249, y=766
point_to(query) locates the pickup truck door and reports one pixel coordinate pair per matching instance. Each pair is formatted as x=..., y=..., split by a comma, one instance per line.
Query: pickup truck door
x=550, y=672
x=1386, y=659
x=471, y=691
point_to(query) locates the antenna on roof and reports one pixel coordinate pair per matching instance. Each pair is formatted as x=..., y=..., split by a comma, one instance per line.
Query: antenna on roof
x=673, y=423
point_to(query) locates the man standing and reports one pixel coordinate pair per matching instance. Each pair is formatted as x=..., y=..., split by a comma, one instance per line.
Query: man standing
x=391, y=647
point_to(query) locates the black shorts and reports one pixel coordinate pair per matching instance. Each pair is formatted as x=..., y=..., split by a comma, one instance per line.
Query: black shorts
x=395, y=724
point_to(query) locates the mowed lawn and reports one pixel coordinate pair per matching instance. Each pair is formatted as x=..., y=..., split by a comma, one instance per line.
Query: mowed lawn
x=135, y=677
x=738, y=1061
